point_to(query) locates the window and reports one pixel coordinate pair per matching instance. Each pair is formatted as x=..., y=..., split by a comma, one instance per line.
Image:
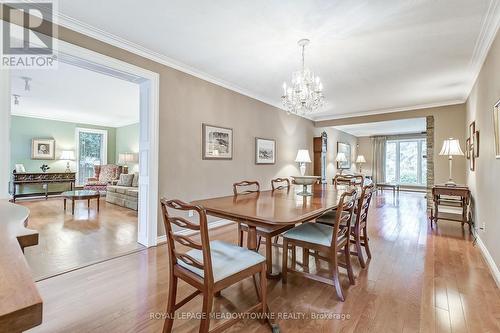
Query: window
x=91, y=150
x=405, y=161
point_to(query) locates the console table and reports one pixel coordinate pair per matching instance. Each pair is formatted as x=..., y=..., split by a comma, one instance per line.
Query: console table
x=451, y=196
x=41, y=178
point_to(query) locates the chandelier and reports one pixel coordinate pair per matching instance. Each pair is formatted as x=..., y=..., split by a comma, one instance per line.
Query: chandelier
x=305, y=95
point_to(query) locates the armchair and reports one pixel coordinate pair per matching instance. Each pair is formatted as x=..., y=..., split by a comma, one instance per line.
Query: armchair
x=104, y=175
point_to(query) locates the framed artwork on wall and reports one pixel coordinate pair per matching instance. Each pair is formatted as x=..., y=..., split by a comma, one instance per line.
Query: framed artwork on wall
x=43, y=149
x=217, y=142
x=467, y=148
x=346, y=149
x=496, y=125
x=265, y=151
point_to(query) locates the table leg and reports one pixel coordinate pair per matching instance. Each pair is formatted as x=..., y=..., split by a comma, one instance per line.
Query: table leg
x=65, y=204
x=252, y=245
x=72, y=206
x=88, y=203
x=98, y=202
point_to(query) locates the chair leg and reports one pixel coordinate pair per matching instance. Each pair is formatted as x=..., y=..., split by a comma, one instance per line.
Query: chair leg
x=276, y=239
x=172, y=294
x=208, y=299
x=259, y=239
x=240, y=235
x=358, y=248
x=263, y=290
x=336, y=282
x=347, y=253
x=305, y=258
x=367, y=248
x=294, y=257
x=284, y=262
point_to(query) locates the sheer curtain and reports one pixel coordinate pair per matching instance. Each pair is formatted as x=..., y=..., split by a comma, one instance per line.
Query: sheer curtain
x=378, y=159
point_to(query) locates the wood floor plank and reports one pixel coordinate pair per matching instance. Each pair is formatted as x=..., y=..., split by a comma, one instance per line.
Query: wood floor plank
x=420, y=279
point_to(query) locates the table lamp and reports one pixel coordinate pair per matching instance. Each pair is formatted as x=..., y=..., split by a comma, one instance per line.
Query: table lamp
x=451, y=147
x=303, y=158
x=126, y=158
x=340, y=159
x=67, y=155
x=360, y=160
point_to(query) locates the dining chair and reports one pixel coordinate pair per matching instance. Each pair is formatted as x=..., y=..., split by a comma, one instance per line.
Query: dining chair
x=266, y=233
x=209, y=266
x=275, y=184
x=325, y=239
x=359, y=233
x=348, y=180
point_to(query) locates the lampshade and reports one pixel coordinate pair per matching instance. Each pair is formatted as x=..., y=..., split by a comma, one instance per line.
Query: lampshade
x=360, y=159
x=451, y=147
x=124, y=158
x=303, y=156
x=67, y=155
x=341, y=158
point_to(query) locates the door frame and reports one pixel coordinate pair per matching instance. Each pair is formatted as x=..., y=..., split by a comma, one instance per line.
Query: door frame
x=148, y=82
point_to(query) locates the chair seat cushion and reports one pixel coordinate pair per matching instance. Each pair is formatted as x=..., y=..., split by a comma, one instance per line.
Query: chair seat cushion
x=329, y=218
x=315, y=233
x=227, y=259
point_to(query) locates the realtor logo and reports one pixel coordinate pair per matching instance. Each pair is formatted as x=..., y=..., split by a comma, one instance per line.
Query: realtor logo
x=28, y=35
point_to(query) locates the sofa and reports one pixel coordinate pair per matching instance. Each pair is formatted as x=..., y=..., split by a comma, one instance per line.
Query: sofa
x=124, y=196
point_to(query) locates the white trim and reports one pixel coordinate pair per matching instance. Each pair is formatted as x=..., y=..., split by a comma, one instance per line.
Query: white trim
x=382, y=111
x=187, y=232
x=495, y=272
x=103, y=36
x=104, y=147
x=489, y=29
x=5, y=106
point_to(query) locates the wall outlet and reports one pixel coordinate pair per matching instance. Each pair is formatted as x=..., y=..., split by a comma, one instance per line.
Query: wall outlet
x=190, y=213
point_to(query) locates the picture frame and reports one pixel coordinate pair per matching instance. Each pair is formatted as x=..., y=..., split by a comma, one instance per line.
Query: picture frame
x=346, y=149
x=476, y=144
x=217, y=142
x=43, y=149
x=265, y=151
x=467, y=148
x=496, y=125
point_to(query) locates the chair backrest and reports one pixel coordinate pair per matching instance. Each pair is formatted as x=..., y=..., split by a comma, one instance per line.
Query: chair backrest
x=276, y=181
x=345, y=212
x=174, y=238
x=364, y=204
x=246, y=186
x=348, y=180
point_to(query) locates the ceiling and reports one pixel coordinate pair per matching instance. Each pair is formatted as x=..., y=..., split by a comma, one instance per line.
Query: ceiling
x=78, y=95
x=372, y=55
x=391, y=127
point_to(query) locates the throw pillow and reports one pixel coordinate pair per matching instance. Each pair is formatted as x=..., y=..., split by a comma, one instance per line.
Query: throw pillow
x=125, y=180
x=135, y=182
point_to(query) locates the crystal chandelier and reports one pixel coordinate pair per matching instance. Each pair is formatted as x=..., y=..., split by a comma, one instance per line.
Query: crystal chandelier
x=305, y=95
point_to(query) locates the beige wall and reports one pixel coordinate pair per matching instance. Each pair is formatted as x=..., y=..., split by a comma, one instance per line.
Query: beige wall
x=365, y=149
x=185, y=103
x=334, y=136
x=483, y=182
x=449, y=121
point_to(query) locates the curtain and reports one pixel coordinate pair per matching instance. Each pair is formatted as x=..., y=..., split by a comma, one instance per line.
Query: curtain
x=378, y=159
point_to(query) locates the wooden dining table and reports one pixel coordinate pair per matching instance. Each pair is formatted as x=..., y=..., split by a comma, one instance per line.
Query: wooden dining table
x=274, y=208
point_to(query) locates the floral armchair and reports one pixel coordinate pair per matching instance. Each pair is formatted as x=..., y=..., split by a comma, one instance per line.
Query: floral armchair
x=103, y=176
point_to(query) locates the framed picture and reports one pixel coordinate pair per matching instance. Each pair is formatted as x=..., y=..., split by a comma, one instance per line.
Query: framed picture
x=476, y=144
x=265, y=151
x=43, y=149
x=346, y=149
x=496, y=125
x=217, y=143
x=472, y=130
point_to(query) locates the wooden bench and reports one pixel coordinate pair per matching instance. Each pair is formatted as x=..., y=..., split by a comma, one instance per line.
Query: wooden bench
x=393, y=186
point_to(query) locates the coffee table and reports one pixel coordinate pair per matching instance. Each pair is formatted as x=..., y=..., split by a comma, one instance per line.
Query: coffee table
x=80, y=195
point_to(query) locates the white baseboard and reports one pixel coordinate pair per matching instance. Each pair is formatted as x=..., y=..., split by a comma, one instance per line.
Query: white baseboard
x=188, y=232
x=489, y=259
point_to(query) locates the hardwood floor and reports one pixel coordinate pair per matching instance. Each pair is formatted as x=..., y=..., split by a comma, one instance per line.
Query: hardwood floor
x=67, y=242
x=419, y=280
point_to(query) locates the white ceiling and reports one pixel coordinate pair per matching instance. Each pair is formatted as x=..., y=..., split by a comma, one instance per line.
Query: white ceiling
x=78, y=95
x=373, y=55
x=392, y=127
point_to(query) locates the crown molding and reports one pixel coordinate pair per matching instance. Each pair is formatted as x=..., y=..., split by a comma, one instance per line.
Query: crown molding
x=106, y=37
x=382, y=111
x=487, y=34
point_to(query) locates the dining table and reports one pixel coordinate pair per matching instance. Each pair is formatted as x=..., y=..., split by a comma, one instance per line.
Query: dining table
x=274, y=208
